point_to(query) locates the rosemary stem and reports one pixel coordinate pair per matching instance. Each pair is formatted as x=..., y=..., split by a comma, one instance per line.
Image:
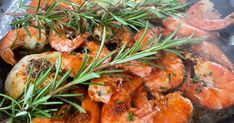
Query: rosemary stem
x=61, y=88
x=23, y=13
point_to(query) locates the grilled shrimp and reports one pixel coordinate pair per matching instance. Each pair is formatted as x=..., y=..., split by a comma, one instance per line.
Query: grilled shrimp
x=94, y=47
x=66, y=43
x=20, y=38
x=172, y=23
x=137, y=68
x=91, y=116
x=119, y=110
x=149, y=34
x=212, y=52
x=103, y=88
x=203, y=16
x=16, y=79
x=119, y=35
x=212, y=85
x=200, y=20
x=169, y=76
x=171, y=108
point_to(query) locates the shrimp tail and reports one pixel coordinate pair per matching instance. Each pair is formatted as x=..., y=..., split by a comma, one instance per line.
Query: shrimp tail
x=8, y=56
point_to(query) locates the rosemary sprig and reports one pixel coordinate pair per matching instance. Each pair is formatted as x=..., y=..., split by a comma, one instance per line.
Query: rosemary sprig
x=99, y=12
x=34, y=101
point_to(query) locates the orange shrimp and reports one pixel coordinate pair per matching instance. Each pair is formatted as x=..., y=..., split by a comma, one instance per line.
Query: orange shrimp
x=93, y=47
x=161, y=109
x=120, y=35
x=63, y=43
x=20, y=38
x=212, y=85
x=203, y=16
x=173, y=108
x=200, y=19
x=118, y=110
x=170, y=76
x=92, y=114
x=143, y=107
x=137, y=68
x=172, y=23
x=210, y=51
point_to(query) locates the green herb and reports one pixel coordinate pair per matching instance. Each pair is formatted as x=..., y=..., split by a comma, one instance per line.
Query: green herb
x=130, y=116
x=210, y=73
x=196, y=79
x=198, y=90
x=163, y=88
x=99, y=12
x=169, y=78
x=120, y=102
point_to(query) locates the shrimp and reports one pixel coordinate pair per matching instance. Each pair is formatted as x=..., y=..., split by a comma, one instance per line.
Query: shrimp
x=173, y=108
x=160, y=109
x=169, y=76
x=16, y=79
x=172, y=23
x=94, y=47
x=200, y=20
x=143, y=106
x=92, y=114
x=103, y=88
x=119, y=110
x=203, y=16
x=212, y=85
x=196, y=21
x=63, y=43
x=210, y=51
x=120, y=35
x=137, y=68
x=20, y=38
x=149, y=34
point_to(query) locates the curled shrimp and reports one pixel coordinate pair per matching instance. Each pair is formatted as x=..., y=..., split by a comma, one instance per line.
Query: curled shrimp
x=203, y=16
x=200, y=20
x=172, y=108
x=212, y=85
x=65, y=42
x=119, y=107
x=16, y=79
x=20, y=38
x=169, y=76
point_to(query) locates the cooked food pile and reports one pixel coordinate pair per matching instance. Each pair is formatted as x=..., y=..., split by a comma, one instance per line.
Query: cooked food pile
x=115, y=62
